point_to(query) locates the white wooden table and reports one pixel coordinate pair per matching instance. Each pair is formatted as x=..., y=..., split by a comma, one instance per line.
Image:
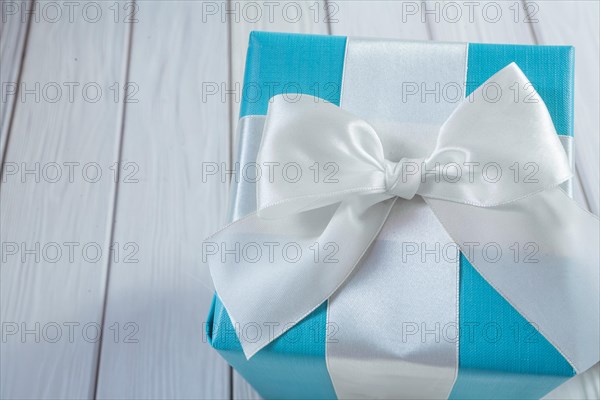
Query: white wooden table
x=103, y=135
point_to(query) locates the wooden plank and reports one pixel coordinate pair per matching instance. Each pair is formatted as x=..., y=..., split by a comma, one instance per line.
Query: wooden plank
x=13, y=32
x=56, y=218
x=293, y=16
x=480, y=21
x=164, y=209
x=380, y=19
x=577, y=23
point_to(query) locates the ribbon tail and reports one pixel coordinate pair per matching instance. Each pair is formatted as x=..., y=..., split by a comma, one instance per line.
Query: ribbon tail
x=547, y=266
x=271, y=273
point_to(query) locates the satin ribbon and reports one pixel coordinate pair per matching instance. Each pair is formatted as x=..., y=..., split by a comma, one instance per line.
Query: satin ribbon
x=326, y=190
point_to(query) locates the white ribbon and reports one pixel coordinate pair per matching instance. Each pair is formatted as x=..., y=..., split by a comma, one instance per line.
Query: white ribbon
x=327, y=190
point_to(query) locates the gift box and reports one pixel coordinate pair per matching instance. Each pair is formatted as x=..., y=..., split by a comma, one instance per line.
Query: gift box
x=493, y=351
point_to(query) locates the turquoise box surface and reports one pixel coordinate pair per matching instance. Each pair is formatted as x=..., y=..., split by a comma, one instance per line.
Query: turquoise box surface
x=294, y=365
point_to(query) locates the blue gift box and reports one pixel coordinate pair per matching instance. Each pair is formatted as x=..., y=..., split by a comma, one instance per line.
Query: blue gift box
x=519, y=363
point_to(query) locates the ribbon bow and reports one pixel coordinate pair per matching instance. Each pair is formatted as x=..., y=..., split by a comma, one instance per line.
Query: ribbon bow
x=327, y=189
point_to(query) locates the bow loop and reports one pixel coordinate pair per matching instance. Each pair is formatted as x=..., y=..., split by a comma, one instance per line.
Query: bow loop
x=315, y=155
x=493, y=151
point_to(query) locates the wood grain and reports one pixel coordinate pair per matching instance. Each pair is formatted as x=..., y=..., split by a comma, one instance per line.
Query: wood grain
x=479, y=22
x=165, y=211
x=380, y=19
x=13, y=33
x=52, y=298
x=172, y=126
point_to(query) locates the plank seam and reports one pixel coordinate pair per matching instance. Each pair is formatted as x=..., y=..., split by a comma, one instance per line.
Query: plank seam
x=114, y=205
x=429, y=29
x=14, y=106
x=531, y=28
x=17, y=93
x=328, y=19
x=229, y=147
